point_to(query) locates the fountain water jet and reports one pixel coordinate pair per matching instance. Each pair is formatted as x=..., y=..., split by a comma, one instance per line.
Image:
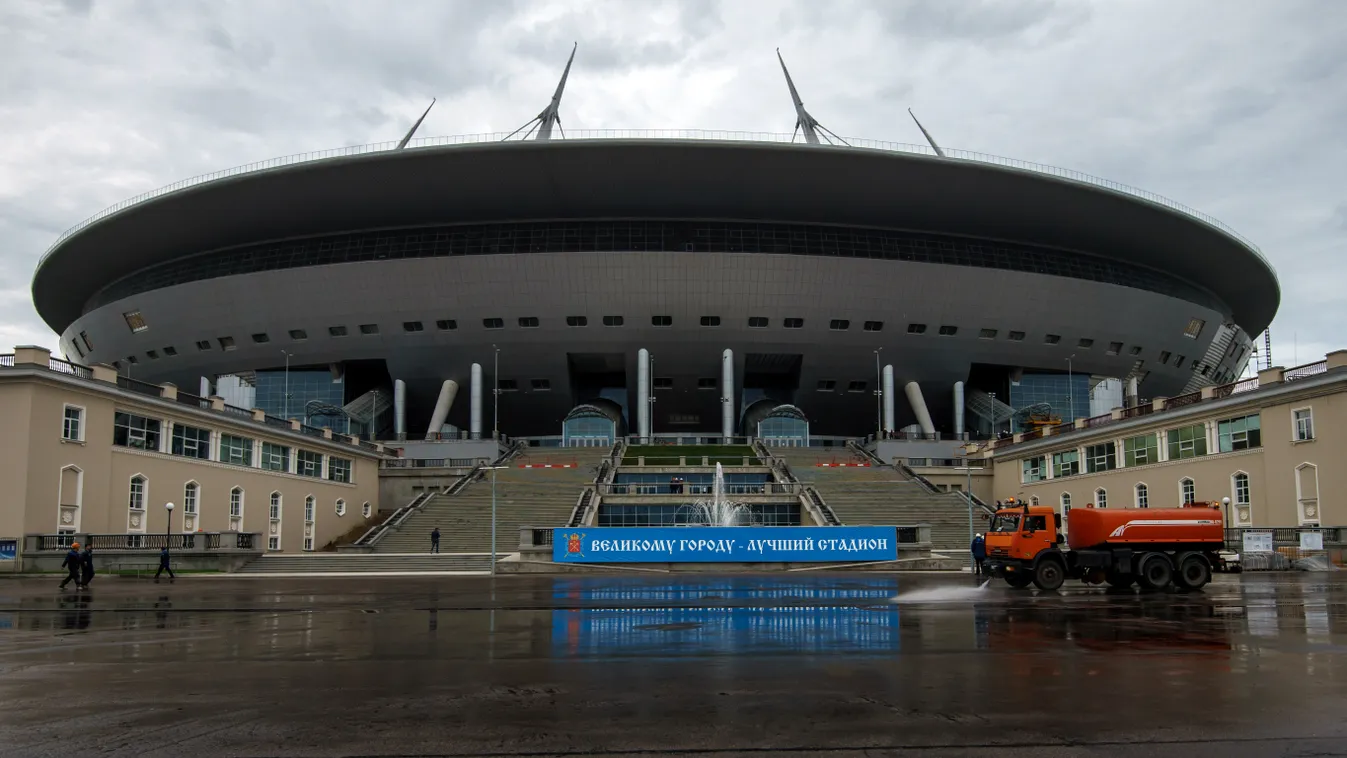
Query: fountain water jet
x=719, y=510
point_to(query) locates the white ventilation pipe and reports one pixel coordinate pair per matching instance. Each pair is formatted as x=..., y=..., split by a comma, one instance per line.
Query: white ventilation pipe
x=913, y=391
x=475, y=391
x=643, y=395
x=958, y=410
x=205, y=387
x=889, y=399
x=400, y=409
x=1132, y=392
x=727, y=393
x=448, y=391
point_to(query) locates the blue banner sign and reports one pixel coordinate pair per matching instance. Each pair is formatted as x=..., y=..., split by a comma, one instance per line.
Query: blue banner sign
x=732, y=544
x=9, y=550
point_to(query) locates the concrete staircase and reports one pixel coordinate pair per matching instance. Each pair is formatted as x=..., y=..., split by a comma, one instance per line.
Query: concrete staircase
x=541, y=497
x=880, y=495
x=355, y=563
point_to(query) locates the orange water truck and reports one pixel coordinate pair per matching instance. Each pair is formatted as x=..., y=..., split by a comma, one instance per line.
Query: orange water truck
x=1151, y=547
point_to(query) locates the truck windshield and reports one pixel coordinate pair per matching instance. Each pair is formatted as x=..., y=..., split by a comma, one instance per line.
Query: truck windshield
x=1008, y=522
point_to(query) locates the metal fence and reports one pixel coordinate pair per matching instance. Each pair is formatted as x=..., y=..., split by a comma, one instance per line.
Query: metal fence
x=792, y=489
x=148, y=542
x=66, y=367
x=432, y=462
x=139, y=387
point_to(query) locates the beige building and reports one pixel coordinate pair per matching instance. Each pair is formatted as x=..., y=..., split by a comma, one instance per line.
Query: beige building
x=1271, y=450
x=88, y=452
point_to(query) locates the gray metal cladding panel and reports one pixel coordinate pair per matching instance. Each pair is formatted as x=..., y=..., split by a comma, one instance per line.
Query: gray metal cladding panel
x=639, y=287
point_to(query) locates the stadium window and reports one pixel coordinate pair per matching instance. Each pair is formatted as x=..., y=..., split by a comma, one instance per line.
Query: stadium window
x=1134, y=350
x=133, y=360
x=856, y=387
x=1085, y=343
x=541, y=385
x=336, y=331
x=528, y=322
x=826, y=385
x=839, y=325
x=663, y=383
x=135, y=321
x=493, y=323
x=203, y=345
x=170, y=351
x=661, y=320
x=1015, y=336
x=577, y=321
x=369, y=328
x=227, y=343
x=298, y=335
x=413, y=326
x=508, y=385
x=152, y=355
x=948, y=331
x=987, y=334
x=261, y=338
x=916, y=328
x=446, y=325
x=757, y=322
x=710, y=320
x=84, y=337
x=874, y=326
x=793, y=323
x=612, y=321
x=1164, y=357
x=1194, y=328
x=1052, y=339
x=1178, y=362
x=1114, y=348
x=706, y=383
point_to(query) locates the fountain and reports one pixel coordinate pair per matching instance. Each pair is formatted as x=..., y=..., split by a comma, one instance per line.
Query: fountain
x=718, y=511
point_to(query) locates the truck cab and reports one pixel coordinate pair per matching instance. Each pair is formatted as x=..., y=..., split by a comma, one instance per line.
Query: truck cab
x=1018, y=539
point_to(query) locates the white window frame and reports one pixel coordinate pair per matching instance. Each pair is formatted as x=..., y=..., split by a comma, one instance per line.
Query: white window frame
x=1064, y=500
x=222, y=457
x=1034, y=500
x=366, y=510
x=275, y=514
x=1101, y=497
x=1183, y=495
x=233, y=511
x=78, y=500
x=173, y=437
x=275, y=505
x=191, y=506
x=1234, y=489
x=131, y=492
x=1141, y=495
x=1296, y=426
x=79, y=423
x=1302, y=501
x=340, y=507
x=310, y=506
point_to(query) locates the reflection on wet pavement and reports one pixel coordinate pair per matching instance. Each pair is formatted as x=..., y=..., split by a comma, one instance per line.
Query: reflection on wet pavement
x=612, y=665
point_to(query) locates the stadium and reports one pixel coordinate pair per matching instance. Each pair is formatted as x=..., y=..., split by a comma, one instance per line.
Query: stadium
x=658, y=283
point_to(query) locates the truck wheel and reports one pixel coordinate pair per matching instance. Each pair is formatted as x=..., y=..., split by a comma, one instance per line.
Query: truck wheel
x=1049, y=575
x=1019, y=580
x=1120, y=581
x=1194, y=573
x=1156, y=572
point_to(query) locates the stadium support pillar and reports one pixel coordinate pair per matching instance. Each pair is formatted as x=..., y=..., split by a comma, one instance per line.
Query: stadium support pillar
x=913, y=391
x=205, y=387
x=727, y=394
x=399, y=409
x=448, y=391
x=958, y=410
x=1130, y=400
x=643, y=395
x=889, y=399
x=475, y=430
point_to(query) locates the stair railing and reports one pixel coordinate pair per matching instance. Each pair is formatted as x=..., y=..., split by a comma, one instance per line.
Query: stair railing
x=819, y=507
x=392, y=522
x=581, y=510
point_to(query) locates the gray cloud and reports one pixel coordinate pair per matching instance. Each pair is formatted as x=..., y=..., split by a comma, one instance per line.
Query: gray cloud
x=1234, y=108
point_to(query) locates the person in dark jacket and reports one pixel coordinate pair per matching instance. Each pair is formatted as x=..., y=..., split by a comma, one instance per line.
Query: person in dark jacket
x=435, y=540
x=979, y=550
x=87, y=566
x=72, y=566
x=163, y=566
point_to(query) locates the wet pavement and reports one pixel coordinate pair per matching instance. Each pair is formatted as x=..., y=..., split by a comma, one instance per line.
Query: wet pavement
x=801, y=665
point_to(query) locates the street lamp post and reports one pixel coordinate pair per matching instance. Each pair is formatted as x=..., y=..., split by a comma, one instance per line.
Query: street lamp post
x=285, y=401
x=879, y=397
x=1070, y=388
x=650, y=399
x=168, y=523
x=493, y=470
x=495, y=408
x=968, y=494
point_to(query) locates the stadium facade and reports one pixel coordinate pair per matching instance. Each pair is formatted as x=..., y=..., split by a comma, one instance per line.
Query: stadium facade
x=734, y=278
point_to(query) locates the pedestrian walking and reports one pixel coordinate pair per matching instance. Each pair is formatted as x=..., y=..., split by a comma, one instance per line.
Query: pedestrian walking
x=163, y=566
x=87, y=566
x=979, y=550
x=435, y=540
x=72, y=566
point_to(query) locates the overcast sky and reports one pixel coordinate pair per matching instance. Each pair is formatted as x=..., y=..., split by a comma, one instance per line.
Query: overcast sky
x=1235, y=107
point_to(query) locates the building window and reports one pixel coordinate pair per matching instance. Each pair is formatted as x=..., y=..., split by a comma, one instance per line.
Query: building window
x=1194, y=328
x=1066, y=463
x=1304, y=420
x=298, y=335
x=339, y=469
x=612, y=321
x=308, y=509
x=826, y=385
x=839, y=325
x=1134, y=350
x=1033, y=469
x=710, y=320
x=136, y=501
x=72, y=424
x=446, y=325
x=1065, y=500
x=1101, y=498
x=191, y=442
x=663, y=383
x=1052, y=339
x=369, y=328
x=336, y=331
x=1307, y=492
x=757, y=322
x=152, y=355
x=507, y=385
x=1085, y=343
x=1178, y=362
x=203, y=345
x=236, y=502
x=1187, y=491
x=1240, y=486
x=916, y=328
x=190, y=493
x=135, y=321
x=528, y=322
x=856, y=386
x=1116, y=347
x=874, y=326
x=1138, y=451
x=84, y=337
x=366, y=510
x=1239, y=434
x=493, y=323
x=1015, y=336
x=226, y=343
x=236, y=450
x=1102, y=457
x=1033, y=500
x=661, y=320
x=261, y=338
x=275, y=457
x=413, y=326
x=577, y=321
x=793, y=323
x=341, y=507
x=1188, y=442
x=131, y=359
x=130, y=430
x=948, y=331
x=706, y=383
x=1164, y=357
x=541, y=385
x=987, y=334
x=308, y=463
x=1143, y=496
x=275, y=506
